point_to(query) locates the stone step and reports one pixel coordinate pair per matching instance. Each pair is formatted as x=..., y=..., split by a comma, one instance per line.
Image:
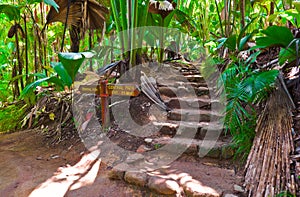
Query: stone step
x=189, y=72
x=182, y=91
x=173, y=83
x=193, y=115
x=189, y=77
x=190, y=102
x=195, y=78
x=220, y=149
x=181, y=127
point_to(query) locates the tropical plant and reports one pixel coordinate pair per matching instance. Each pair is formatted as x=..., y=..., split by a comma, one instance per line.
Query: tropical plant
x=65, y=72
x=244, y=88
x=10, y=116
x=281, y=37
x=237, y=43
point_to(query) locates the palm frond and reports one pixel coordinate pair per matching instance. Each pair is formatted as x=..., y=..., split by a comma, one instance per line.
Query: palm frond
x=91, y=16
x=74, y=17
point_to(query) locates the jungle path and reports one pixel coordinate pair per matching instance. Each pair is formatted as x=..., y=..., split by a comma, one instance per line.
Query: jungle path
x=30, y=168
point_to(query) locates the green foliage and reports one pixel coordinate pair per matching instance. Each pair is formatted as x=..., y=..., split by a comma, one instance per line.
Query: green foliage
x=238, y=42
x=285, y=194
x=10, y=117
x=275, y=36
x=244, y=87
x=11, y=11
x=282, y=37
x=71, y=63
x=66, y=71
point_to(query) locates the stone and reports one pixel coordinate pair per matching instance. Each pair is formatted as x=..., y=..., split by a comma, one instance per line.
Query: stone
x=167, y=91
x=148, y=140
x=238, y=188
x=163, y=186
x=142, y=149
x=118, y=171
x=134, y=158
x=215, y=152
x=195, y=188
x=227, y=152
x=136, y=178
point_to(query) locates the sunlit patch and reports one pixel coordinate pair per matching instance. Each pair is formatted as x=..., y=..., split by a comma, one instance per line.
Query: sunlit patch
x=69, y=177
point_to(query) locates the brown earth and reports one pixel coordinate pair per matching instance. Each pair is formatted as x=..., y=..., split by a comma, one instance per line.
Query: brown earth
x=31, y=168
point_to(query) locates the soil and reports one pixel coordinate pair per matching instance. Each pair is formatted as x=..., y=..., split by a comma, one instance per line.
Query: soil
x=29, y=167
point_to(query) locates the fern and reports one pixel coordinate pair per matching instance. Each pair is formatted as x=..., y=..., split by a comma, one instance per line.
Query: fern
x=244, y=87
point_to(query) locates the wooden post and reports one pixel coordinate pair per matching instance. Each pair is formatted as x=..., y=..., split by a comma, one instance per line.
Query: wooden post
x=104, y=104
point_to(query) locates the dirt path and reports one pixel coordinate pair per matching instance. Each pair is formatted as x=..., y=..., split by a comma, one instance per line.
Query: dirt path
x=29, y=168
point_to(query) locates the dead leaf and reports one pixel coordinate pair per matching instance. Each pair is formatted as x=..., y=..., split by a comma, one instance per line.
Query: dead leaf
x=52, y=116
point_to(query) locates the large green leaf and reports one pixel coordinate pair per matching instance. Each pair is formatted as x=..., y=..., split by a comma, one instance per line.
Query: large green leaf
x=286, y=55
x=11, y=11
x=241, y=41
x=275, y=36
x=62, y=72
x=71, y=62
x=258, y=85
x=168, y=19
x=30, y=87
x=229, y=42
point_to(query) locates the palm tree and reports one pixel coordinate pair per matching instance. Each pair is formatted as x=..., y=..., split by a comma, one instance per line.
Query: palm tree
x=80, y=16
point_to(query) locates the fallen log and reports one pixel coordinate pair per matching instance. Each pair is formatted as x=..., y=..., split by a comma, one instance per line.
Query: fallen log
x=267, y=171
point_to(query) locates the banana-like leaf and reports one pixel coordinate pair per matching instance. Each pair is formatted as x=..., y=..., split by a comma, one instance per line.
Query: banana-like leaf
x=275, y=36
x=30, y=87
x=71, y=62
x=62, y=72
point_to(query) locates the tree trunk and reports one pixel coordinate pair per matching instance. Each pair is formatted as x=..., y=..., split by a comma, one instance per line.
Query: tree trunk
x=75, y=38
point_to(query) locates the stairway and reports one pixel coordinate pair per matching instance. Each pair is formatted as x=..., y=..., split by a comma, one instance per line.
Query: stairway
x=192, y=118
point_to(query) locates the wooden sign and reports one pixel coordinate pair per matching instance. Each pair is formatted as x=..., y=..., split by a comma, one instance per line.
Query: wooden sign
x=123, y=89
x=104, y=90
x=112, y=89
x=91, y=89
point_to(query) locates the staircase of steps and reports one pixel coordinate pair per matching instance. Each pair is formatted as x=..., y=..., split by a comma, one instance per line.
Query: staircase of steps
x=189, y=98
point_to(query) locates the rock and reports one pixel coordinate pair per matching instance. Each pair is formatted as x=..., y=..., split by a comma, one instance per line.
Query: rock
x=142, y=149
x=134, y=158
x=195, y=188
x=215, y=152
x=54, y=156
x=167, y=91
x=163, y=186
x=238, y=188
x=148, y=140
x=118, y=171
x=227, y=152
x=136, y=178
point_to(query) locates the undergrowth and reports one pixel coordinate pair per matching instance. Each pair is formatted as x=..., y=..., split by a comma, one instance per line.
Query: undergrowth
x=10, y=117
x=245, y=88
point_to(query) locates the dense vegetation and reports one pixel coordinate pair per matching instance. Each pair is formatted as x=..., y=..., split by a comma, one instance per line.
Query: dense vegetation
x=234, y=33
